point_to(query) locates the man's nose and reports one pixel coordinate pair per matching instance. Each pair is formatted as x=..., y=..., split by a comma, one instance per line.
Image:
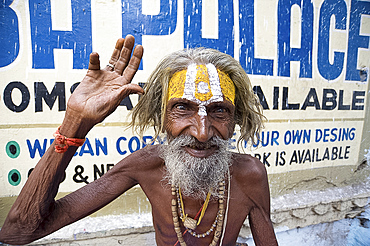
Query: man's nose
x=202, y=129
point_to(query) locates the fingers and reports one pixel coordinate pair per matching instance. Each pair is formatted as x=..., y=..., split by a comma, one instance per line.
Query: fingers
x=116, y=53
x=121, y=60
x=125, y=54
x=94, y=63
x=134, y=63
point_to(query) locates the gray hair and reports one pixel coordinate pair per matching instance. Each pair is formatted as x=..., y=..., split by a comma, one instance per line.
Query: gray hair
x=151, y=108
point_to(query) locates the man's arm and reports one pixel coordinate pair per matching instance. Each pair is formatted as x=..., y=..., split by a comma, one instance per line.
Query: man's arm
x=257, y=190
x=35, y=213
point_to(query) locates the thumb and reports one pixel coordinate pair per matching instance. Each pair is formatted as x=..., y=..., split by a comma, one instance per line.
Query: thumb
x=132, y=89
x=94, y=63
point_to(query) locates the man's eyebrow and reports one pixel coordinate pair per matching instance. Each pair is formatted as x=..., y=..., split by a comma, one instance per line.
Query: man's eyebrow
x=184, y=100
x=223, y=103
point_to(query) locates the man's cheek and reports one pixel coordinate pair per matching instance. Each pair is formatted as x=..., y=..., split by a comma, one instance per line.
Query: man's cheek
x=169, y=129
x=231, y=129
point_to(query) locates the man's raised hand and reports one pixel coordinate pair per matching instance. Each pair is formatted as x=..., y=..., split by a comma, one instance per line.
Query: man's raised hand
x=102, y=90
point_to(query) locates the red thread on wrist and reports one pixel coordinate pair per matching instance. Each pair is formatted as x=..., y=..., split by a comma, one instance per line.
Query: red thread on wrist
x=62, y=143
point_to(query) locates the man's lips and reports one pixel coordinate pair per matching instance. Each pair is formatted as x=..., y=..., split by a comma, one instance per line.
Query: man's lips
x=200, y=151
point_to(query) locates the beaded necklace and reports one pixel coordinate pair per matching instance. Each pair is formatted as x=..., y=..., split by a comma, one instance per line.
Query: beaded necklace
x=216, y=224
x=189, y=222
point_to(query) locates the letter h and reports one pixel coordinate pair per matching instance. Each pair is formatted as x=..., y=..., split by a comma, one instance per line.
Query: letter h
x=45, y=40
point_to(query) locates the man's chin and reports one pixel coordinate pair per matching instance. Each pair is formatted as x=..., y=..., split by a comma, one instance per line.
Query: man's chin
x=196, y=167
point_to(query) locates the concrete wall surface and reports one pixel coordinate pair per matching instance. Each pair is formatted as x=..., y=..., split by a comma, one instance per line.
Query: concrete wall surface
x=308, y=62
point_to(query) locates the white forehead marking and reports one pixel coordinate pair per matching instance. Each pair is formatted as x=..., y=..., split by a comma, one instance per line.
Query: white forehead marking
x=189, y=86
x=202, y=111
x=214, y=81
x=203, y=88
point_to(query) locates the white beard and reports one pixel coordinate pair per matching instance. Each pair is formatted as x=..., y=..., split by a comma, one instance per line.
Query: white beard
x=196, y=176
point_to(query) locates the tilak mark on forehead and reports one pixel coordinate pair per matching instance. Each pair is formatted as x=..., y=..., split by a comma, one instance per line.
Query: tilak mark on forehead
x=203, y=84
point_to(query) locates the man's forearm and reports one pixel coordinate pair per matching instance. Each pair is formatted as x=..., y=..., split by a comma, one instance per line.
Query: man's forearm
x=36, y=200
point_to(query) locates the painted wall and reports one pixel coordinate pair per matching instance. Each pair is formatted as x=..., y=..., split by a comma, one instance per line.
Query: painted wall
x=308, y=62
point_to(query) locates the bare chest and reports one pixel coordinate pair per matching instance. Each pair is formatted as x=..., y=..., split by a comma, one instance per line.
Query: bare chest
x=172, y=228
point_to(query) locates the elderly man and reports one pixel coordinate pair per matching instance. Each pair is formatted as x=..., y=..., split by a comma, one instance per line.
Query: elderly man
x=199, y=191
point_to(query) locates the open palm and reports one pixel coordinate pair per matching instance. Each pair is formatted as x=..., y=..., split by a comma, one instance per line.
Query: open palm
x=102, y=90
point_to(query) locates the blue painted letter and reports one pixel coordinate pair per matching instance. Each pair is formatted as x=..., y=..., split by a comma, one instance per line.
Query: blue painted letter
x=286, y=54
x=9, y=37
x=193, y=27
x=338, y=8
x=137, y=24
x=247, y=58
x=45, y=40
x=355, y=40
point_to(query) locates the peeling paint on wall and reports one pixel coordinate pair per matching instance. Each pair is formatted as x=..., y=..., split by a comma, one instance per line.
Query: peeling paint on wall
x=308, y=62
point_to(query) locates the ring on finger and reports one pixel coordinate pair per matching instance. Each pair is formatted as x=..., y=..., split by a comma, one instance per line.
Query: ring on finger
x=110, y=65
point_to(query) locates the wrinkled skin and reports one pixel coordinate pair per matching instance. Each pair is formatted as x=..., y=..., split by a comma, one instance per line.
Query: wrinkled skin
x=36, y=213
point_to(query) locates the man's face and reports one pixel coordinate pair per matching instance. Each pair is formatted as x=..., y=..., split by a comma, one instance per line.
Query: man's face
x=201, y=105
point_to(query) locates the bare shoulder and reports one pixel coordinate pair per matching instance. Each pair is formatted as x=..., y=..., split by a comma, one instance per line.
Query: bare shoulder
x=246, y=167
x=250, y=177
x=147, y=157
x=149, y=152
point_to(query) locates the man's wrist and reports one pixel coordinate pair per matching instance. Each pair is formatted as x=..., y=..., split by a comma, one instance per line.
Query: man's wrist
x=74, y=126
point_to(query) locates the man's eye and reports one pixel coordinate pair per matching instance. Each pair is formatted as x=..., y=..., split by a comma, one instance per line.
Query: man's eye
x=180, y=107
x=220, y=110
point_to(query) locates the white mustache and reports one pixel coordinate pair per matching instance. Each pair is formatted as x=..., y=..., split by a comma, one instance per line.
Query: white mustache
x=192, y=142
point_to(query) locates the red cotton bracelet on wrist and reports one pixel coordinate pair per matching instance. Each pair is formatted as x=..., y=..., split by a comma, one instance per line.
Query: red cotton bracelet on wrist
x=62, y=143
